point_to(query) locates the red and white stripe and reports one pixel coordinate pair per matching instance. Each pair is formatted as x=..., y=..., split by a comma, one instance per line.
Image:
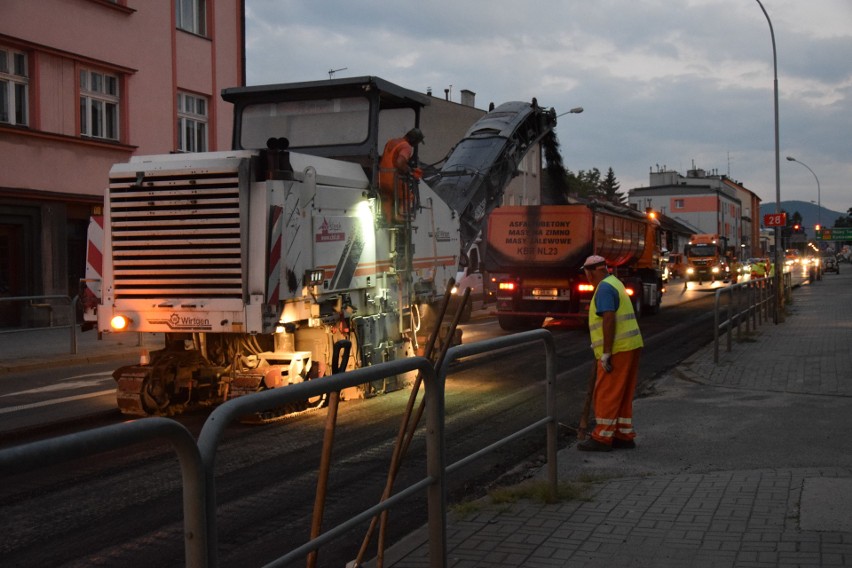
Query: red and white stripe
x=273, y=277
x=94, y=268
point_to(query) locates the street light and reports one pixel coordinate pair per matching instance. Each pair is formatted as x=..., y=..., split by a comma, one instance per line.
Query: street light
x=819, y=203
x=778, y=255
x=575, y=110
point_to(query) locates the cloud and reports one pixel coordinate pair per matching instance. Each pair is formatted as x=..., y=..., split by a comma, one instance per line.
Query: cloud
x=661, y=81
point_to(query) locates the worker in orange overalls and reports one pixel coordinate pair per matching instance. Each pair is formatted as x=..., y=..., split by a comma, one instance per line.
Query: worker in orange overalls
x=617, y=343
x=393, y=169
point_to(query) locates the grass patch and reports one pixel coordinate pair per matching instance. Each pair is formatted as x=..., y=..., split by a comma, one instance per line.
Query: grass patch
x=532, y=490
x=746, y=337
x=465, y=509
x=539, y=491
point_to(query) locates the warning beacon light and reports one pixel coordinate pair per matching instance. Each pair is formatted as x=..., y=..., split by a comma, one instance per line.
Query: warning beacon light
x=120, y=323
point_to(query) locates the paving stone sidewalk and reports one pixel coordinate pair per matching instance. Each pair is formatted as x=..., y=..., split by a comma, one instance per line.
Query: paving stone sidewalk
x=742, y=463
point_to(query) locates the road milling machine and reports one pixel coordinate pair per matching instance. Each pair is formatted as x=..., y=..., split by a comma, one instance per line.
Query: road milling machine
x=255, y=263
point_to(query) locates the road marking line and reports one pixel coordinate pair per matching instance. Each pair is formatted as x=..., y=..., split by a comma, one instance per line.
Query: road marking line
x=61, y=387
x=55, y=401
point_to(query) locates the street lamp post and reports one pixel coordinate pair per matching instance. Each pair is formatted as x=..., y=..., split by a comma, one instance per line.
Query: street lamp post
x=575, y=110
x=819, y=202
x=778, y=256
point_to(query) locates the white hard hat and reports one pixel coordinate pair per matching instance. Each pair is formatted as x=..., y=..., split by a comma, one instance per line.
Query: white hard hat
x=594, y=261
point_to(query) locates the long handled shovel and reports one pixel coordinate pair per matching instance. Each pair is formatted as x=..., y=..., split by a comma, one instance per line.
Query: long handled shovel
x=340, y=356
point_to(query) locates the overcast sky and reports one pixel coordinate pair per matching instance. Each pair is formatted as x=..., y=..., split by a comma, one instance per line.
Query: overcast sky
x=663, y=82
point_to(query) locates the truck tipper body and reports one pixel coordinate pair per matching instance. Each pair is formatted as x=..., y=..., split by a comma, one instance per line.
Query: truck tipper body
x=540, y=250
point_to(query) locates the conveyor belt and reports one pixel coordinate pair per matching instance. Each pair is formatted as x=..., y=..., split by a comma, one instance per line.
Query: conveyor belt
x=482, y=164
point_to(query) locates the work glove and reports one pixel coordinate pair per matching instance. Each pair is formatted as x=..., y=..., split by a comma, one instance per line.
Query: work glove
x=606, y=363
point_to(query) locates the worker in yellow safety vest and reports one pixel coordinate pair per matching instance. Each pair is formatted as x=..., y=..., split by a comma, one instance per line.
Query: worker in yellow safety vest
x=617, y=344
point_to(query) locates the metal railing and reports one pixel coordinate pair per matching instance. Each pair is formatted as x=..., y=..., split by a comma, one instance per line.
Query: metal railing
x=72, y=319
x=748, y=303
x=72, y=315
x=198, y=460
x=21, y=459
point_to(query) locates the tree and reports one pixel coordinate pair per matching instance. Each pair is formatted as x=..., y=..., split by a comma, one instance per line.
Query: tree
x=585, y=184
x=844, y=221
x=554, y=187
x=796, y=222
x=559, y=183
x=609, y=189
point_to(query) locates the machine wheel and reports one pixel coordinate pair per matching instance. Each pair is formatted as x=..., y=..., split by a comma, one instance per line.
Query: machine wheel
x=155, y=396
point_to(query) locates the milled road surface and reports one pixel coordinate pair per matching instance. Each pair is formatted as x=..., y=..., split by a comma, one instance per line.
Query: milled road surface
x=124, y=508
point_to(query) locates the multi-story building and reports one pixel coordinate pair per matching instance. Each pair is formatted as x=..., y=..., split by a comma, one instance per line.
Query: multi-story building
x=85, y=84
x=88, y=83
x=711, y=202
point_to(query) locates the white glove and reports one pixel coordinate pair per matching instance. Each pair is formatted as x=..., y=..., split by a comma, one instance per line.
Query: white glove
x=605, y=362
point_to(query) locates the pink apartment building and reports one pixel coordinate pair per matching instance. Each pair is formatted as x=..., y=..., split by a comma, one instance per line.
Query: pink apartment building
x=707, y=202
x=88, y=83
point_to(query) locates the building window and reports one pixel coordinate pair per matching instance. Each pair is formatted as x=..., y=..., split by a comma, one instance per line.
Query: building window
x=98, y=105
x=191, y=16
x=678, y=203
x=14, y=87
x=192, y=123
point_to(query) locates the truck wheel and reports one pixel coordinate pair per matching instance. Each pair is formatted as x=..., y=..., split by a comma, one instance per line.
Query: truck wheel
x=655, y=309
x=637, y=307
x=466, y=312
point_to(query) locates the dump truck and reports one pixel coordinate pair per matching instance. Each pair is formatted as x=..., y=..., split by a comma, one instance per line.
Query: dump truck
x=706, y=261
x=539, y=252
x=258, y=263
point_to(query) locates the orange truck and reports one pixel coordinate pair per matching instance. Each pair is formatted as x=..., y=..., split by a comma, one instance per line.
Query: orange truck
x=539, y=252
x=705, y=259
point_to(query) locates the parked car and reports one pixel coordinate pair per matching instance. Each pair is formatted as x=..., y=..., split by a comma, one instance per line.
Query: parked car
x=830, y=264
x=677, y=265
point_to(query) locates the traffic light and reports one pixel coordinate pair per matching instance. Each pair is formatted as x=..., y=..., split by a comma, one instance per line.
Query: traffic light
x=796, y=228
x=817, y=228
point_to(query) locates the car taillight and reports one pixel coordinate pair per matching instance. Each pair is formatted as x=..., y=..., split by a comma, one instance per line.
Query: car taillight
x=629, y=291
x=585, y=288
x=507, y=286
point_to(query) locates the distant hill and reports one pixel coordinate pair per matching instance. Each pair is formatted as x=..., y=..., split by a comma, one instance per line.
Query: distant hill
x=810, y=213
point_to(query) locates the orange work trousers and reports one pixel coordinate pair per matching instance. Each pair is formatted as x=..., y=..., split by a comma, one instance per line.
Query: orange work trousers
x=613, y=398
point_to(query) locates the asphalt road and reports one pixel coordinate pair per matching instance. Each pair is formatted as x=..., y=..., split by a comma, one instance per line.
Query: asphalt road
x=124, y=509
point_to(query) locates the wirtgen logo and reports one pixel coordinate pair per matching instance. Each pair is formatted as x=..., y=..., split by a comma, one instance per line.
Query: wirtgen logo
x=184, y=323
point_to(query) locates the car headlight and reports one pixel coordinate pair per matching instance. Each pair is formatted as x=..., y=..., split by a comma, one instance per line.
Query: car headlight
x=715, y=270
x=690, y=270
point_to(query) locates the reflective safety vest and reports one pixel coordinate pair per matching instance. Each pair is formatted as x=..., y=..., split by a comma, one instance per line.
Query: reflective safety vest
x=627, y=334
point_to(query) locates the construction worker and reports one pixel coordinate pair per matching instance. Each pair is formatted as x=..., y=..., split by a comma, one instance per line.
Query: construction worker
x=758, y=269
x=394, y=166
x=617, y=344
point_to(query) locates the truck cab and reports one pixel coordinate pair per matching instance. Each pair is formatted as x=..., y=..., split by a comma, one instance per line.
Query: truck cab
x=705, y=260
